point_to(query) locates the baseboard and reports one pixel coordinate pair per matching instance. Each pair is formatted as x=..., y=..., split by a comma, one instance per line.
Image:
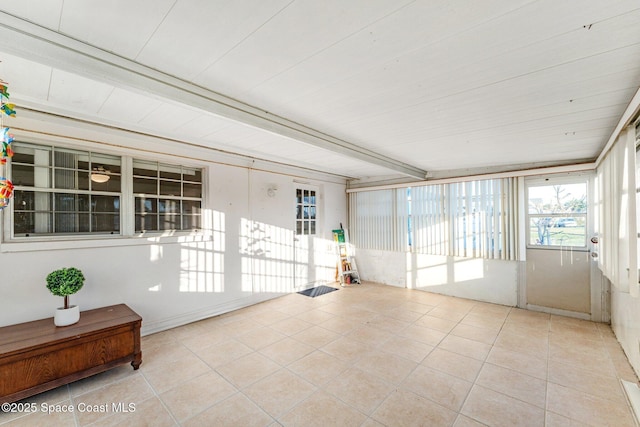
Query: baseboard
x=149, y=328
x=559, y=312
x=632, y=392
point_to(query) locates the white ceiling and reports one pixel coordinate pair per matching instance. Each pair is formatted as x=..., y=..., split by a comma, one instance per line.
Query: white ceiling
x=360, y=88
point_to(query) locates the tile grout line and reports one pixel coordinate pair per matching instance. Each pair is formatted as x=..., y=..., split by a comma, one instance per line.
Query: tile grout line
x=162, y=402
x=474, y=383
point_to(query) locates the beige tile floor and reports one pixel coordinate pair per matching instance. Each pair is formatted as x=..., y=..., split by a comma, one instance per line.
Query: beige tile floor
x=367, y=355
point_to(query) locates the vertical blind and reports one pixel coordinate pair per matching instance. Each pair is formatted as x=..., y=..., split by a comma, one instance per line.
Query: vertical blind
x=379, y=219
x=616, y=224
x=467, y=219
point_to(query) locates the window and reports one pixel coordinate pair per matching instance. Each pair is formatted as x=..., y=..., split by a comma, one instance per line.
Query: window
x=62, y=191
x=305, y=212
x=557, y=214
x=68, y=192
x=467, y=219
x=167, y=197
x=380, y=219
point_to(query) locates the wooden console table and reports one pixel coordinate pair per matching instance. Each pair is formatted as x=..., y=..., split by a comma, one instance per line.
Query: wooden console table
x=38, y=356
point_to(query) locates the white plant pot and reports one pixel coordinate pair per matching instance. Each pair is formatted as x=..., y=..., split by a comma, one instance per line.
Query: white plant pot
x=65, y=317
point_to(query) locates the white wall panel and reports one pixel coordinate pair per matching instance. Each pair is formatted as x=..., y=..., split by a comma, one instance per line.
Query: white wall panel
x=493, y=281
x=172, y=281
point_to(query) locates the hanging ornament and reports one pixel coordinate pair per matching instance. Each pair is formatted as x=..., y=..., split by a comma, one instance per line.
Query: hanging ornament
x=5, y=145
x=6, y=191
x=6, y=186
x=8, y=109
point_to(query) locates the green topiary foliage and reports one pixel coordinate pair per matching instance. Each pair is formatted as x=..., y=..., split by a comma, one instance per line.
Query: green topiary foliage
x=65, y=282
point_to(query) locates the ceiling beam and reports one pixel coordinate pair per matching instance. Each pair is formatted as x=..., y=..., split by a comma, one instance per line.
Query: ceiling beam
x=582, y=167
x=36, y=43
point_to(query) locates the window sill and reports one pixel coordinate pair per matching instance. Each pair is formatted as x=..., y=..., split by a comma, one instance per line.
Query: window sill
x=88, y=242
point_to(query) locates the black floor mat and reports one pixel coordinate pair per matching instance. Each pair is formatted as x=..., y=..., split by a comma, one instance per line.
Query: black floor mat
x=320, y=290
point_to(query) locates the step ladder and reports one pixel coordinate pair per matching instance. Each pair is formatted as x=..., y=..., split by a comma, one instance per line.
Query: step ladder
x=347, y=270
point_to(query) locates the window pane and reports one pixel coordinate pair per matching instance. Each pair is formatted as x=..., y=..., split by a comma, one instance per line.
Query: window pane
x=24, y=222
x=191, y=222
x=146, y=222
x=31, y=154
x=191, y=207
x=23, y=155
x=191, y=175
x=112, y=185
x=43, y=222
x=105, y=223
x=65, y=179
x=298, y=227
x=313, y=227
x=143, y=168
x=557, y=231
x=558, y=199
x=146, y=205
x=32, y=201
x=23, y=175
x=145, y=186
x=169, y=222
x=192, y=190
x=71, y=222
x=32, y=212
x=71, y=202
x=168, y=206
x=557, y=215
x=83, y=180
x=68, y=159
x=105, y=204
x=170, y=172
x=170, y=188
x=109, y=163
x=24, y=200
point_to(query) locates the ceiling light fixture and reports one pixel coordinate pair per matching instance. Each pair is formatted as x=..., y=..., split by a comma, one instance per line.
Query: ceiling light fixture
x=100, y=175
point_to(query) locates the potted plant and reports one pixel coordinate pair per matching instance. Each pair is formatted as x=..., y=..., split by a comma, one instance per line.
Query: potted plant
x=62, y=283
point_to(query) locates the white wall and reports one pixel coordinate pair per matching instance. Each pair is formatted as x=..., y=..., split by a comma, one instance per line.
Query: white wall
x=494, y=281
x=245, y=257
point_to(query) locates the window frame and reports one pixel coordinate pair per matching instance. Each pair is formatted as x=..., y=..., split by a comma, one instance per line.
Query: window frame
x=158, y=196
x=9, y=242
x=302, y=205
x=549, y=181
x=53, y=189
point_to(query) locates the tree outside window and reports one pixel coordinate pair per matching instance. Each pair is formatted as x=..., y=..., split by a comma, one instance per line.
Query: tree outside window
x=558, y=215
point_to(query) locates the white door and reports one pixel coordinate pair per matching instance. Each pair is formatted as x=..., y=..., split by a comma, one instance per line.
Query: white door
x=558, y=276
x=306, y=208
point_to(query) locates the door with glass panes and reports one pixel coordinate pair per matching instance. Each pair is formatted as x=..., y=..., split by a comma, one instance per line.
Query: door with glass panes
x=306, y=208
x=558, y=273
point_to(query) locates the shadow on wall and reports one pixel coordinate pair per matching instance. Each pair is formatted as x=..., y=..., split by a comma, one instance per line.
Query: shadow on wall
x=269, y=259
x=494, y=281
